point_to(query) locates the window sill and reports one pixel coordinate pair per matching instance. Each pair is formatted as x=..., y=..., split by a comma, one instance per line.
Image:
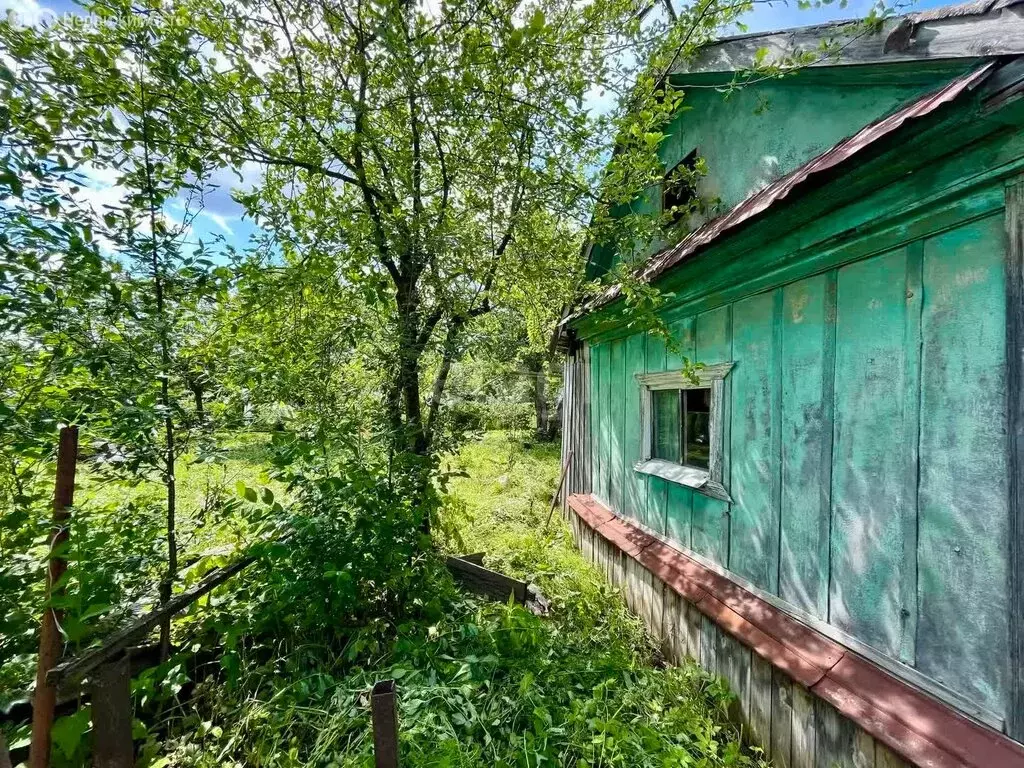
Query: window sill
x=691, y=477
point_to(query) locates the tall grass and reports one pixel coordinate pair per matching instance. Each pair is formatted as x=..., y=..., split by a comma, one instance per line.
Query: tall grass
x=480, y=683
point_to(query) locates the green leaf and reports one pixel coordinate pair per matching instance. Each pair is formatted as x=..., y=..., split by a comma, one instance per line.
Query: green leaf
x=68, y=732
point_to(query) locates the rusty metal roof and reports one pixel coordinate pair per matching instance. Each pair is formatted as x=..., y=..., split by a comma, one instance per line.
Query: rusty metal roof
x=765, y=198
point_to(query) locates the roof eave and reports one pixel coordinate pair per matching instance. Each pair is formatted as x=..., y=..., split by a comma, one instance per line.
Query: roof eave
x=972, y=30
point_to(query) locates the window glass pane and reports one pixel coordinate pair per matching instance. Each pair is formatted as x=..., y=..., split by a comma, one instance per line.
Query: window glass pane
x=666, y=439
x=697, y=427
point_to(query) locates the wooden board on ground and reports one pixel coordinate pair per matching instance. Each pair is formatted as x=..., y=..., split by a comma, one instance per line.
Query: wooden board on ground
x=486, y=582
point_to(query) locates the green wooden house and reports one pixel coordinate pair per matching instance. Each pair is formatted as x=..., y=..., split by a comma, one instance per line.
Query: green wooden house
x=832, y=515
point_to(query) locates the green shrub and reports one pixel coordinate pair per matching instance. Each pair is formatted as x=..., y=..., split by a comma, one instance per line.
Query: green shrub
x=480, y=683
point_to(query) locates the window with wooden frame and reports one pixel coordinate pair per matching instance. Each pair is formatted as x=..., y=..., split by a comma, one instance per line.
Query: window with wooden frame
x=678, y=189
x=683, y=428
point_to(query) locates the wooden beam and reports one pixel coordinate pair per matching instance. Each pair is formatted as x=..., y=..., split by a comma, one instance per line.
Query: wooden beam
x=5, y=755
x=1015, y=415
x=75, y=669
x=112, y=715
x=997, y=33
x=486, y=582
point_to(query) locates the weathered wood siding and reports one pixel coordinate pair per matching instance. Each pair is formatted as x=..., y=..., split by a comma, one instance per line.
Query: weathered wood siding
x=867, y=452
x=578, y=408
x=793, y=727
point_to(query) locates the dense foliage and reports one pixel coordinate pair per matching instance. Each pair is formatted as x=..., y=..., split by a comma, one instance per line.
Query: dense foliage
x=420, y=177
x=481, y=684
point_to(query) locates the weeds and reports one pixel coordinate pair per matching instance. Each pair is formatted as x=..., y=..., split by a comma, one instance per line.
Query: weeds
x=481, y=684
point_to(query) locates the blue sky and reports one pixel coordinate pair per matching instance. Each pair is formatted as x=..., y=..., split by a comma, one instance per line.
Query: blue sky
x=222, y=217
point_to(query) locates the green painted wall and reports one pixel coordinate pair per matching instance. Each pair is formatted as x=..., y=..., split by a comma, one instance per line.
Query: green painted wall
x=866, y=449
x=758, y=133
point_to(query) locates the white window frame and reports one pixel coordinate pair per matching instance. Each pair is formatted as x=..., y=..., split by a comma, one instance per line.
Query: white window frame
x=707, y=481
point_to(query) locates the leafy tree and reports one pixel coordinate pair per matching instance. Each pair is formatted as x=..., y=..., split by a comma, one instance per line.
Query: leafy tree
x=119, y=373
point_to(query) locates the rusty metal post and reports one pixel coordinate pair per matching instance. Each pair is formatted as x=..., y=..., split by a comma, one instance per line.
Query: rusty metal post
x=383, y=705
x=112, y=715
x=45, y=699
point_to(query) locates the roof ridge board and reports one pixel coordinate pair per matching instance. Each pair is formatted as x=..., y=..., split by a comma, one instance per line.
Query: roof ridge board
x=951, y=11
x=981, y=28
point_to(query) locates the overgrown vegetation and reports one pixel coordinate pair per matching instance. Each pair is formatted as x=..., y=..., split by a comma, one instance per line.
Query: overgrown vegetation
x=481, y=683
x=417, y=178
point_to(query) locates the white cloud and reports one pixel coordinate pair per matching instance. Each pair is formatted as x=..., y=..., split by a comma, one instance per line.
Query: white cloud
x=27, y=12
x=220, y=221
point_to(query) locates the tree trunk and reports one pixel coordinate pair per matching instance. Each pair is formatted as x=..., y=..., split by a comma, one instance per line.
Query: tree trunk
x=167, y=583
x=197, y=395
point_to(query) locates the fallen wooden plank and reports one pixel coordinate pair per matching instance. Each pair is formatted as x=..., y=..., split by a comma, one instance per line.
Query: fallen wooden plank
x=75, y=669
x=486, y=582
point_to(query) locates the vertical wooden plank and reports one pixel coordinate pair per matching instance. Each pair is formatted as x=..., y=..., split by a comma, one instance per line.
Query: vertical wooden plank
x=694, y=633
x=646, y=597
x=863, y=749
x=710, y=529
x=634, y=484
x=656, y=487
x=669, y=626
x=886, y=758
x=760, y=717
x=835, y=737
x=1015, y=428
x=569, y=406
x=776, y=436
x=911, y=434
x=112, y=716
x=618, y=568
x=782, y=720
x=678, y=513
x=603, y=360
x=709, y=645
x=588, y=474
x=634, y=586
x=963, y=632
x=616, y=414
x=734, y=664
x=608, y=558
x=678, y=498
x=576, y=458
x=657, y=610
x=595, y=421
x=804, y=737
x=754, y=529
x=868, y=473
x=807, y=356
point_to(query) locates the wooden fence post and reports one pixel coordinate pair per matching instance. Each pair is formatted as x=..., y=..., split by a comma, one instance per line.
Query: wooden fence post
x=112, y=715
x=5, y=755
x=45, y=697
x=383, y=706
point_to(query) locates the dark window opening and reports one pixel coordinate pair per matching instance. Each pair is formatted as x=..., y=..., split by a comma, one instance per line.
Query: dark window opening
x=678, y=189
x=682, y=426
